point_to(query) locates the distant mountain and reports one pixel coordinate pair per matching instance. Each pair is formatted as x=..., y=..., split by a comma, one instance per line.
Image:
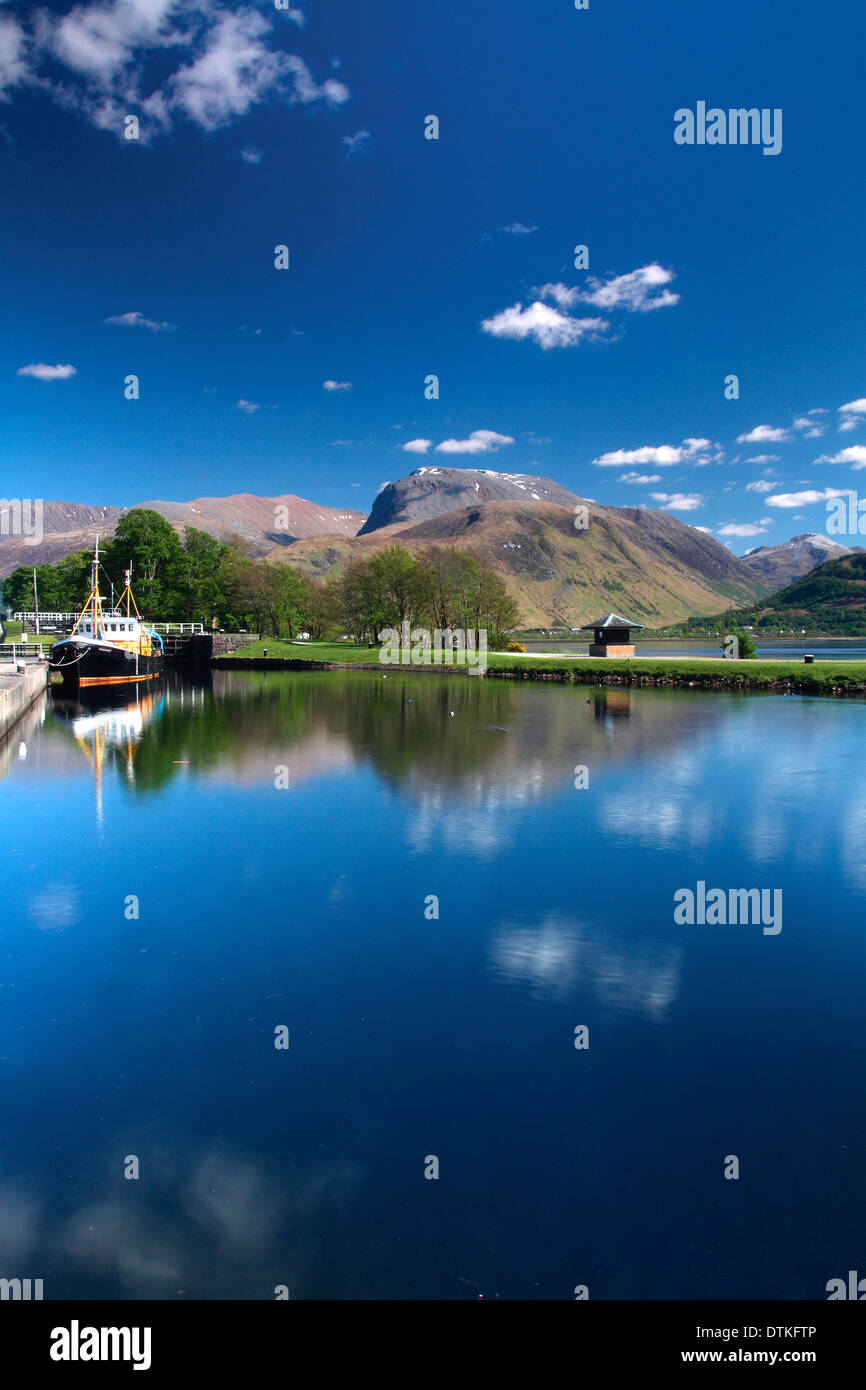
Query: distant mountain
x=645, y=564
x=778, y=565
x=69, y=526
x=431, y=491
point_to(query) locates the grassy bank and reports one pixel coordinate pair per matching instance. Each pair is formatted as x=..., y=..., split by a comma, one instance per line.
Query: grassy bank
x=13, y=634
x=823, y=678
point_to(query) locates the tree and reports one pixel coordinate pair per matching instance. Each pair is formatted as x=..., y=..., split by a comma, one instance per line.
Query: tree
x=145, y=542
x=202, y=568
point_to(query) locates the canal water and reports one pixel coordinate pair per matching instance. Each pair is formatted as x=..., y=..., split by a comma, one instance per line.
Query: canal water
x=400, y=879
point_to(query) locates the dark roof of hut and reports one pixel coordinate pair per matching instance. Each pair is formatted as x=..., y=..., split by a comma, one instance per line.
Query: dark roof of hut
x=612, y=620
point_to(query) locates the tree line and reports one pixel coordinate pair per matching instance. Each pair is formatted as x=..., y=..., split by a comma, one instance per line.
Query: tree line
x=195, y=578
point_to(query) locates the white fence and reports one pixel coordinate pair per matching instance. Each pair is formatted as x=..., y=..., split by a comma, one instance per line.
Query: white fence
x=44, y=617
x=170, y=629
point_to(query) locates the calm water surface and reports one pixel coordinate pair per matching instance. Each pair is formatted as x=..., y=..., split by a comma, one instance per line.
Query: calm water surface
x=410, y=1037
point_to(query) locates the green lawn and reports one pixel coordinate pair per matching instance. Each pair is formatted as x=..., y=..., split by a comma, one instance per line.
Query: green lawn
x=13, y=634
x=756, y=673
x=308, y=651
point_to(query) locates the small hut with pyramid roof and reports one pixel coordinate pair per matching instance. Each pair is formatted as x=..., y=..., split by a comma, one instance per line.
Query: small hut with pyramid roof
x=612, y=635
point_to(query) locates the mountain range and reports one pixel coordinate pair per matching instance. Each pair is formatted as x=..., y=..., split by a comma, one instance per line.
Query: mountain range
x=563, y=558
x=779, y=565
x=260, y=521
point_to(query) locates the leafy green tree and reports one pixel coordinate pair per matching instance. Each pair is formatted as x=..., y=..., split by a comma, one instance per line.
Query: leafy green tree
x=148, y=544
x=202, y=570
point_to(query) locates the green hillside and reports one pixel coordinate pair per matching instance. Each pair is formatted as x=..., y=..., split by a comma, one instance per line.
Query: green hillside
x=830, y=599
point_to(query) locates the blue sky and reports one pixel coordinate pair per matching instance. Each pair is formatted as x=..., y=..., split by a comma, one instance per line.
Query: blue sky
x=411, y=256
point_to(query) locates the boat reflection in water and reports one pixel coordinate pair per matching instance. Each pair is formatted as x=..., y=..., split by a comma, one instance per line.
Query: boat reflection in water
x=107, y=723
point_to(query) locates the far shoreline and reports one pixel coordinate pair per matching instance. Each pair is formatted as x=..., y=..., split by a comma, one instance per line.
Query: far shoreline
x=698, y=673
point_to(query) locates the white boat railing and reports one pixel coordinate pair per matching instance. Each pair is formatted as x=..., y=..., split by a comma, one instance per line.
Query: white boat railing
x=172, y=629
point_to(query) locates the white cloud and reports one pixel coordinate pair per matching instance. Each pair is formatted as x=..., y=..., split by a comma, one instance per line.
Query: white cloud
x=707, y=530
x=641, y=478
x=763, y=458
x=13, y=67
x=852, y=414
x=296, y=16
x=761, y=486
x=855, y=455
x=330, y=385
x=635, y=292
x=479, y=442
x=135, y=319
x=215, y=64
x=696, y=451
x=801, y=499
x=42, y=372
x=417, y=446
x=552, y=327
x=678, y=501
x=545, y=326
x=252, y=155
x=563, y=295
x=358, y=144
x=809, y=427
x=763, y=434
x=249, y=407
x=733, y=528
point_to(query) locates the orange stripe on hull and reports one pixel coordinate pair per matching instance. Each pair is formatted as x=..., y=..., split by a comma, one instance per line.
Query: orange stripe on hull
x=117, y=680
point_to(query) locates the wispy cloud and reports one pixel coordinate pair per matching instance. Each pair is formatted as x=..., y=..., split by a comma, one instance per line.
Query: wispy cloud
x=853, y=414
x=357, y=145
x=511, y=229
x=214, y=64
x=736, y=528
x=43, y=372
x=248, y=407
x=809, y=427
x=762, y=485
x=252, y=155
x=13, y=64
x=678, y=501
x=763, y=434
x=135, y=319
x=787, y=500
x=638, y=292
x=763, y=458
x=641, y=478
x=330, y=385
x=479, y=442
